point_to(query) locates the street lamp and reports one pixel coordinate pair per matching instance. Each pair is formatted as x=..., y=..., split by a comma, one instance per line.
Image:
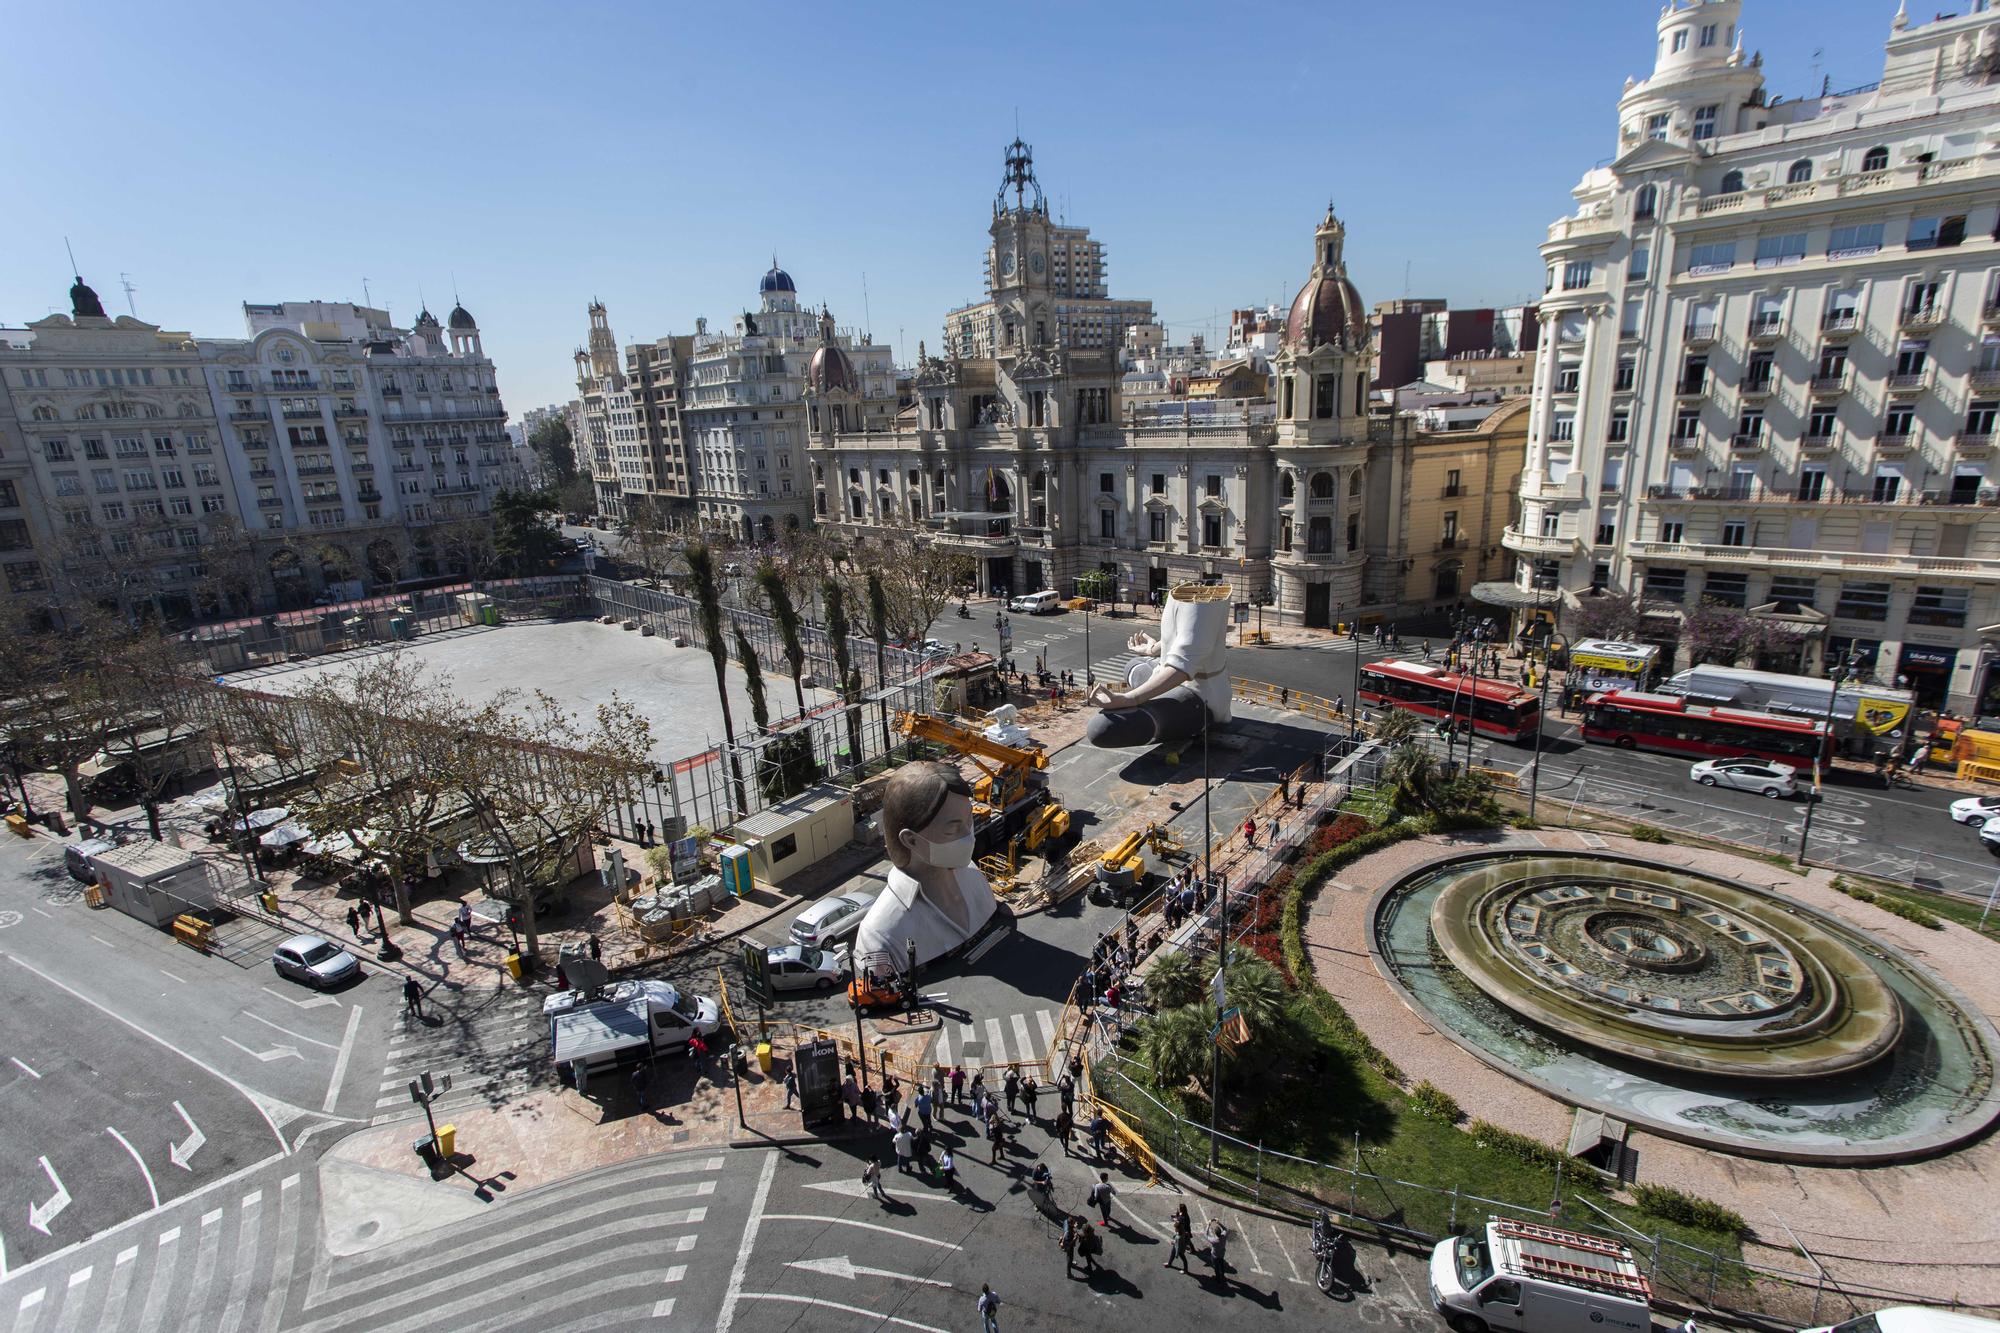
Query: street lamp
x=1841, y=670
x=1541, y=712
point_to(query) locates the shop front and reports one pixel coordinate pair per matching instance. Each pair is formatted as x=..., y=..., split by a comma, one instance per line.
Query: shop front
x=1926, y=672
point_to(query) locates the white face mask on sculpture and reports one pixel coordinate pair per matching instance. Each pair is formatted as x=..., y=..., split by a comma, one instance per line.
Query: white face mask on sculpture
x=952, y=854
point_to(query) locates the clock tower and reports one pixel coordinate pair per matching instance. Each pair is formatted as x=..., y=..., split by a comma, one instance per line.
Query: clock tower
x=1018, y=261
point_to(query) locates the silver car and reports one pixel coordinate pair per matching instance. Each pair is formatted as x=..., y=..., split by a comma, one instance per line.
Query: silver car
x=796, y=968
x=318, y=963
x=831, y=919
x=1758, y=775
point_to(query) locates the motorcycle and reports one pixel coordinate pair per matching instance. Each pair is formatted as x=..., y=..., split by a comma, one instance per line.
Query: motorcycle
x=1332, y=1252
x=964, y=612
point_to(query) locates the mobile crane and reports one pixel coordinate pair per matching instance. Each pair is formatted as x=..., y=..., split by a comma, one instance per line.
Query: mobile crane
x=1011, y=804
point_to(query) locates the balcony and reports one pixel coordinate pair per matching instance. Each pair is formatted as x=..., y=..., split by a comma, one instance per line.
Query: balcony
x=360, y=466
x=1767, y=327
x=1896, y=443
x=1686, y=444
x=1840, y=323
x=323, y=471
x=1989, y=313
x=1691, y=388
x=1818, y=444
x=1699, y=335
x=1757, y=388
x=1969, y=443
x=248, y=416
x=350, y=410
x=263, y=474
x=1985, y=381
x=1826, y=386
x=1453, y=492
x=302, y=414
x=1907, y=383
x=1921, y=318
x=1750, y=440
x=368, y=495
x=253, y=442
x=391, y=391
x=1789, y=558
x=1516, y=540
x=1449, y=543
x=270, y=502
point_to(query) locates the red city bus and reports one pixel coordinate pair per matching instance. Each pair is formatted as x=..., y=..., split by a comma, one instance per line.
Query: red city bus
x=1493, y=707
x=1672, y=725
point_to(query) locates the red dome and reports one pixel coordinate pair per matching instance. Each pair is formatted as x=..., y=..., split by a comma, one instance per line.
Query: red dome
x=830, y=369
x=1326, y=310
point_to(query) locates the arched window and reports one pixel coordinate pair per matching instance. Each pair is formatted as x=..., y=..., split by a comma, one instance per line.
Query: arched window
x=45, y=413
x=1732, y=183
x=1322, y=486
x=1800, y=173
x=1875, y=159
x=1287, y=487
x=1646, y=203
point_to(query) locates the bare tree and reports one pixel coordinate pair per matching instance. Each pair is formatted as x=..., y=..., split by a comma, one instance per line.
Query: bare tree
x=234, y=568
x=708, y=614
x=650, y=541
x=153, y=721
x=771, y=582
x=920, y=578
x=467, y=544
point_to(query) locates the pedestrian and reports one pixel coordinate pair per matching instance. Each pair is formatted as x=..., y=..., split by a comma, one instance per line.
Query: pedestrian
x=458, y=939
x=895, y=1121
x=465, y=917
x=920, y=1144
x=957, y=1085
x=1277, y=829
x=1066, y=1089
x=1250, y=831
x=791, y=1088
x=1101, y=1194
x=892, y=1092
x=979, y=1092
x=923, y=1108
x=1030, y=1090
x=937, y=1087
x=1100, y=1133
x=996, y=1131
x=905, y=1146
x=1183, y=1227
x=1012, y=1084
x=948, y=1170
x=413, y=997
x=871, y=1177
x=353, y=922
x=1218, y=1247
x=989, y=1308
x=850, y=1095
x=596, y=950
x=579, y=1075
x=639, y=1085
x=1919, y=757
x=871, y=1105
x=698, y=1053
x=1071, y=1234
x=1089, y=1245
x=1065, y=1126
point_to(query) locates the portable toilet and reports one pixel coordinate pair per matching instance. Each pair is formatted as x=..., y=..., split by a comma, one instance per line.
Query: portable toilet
x=736, y=876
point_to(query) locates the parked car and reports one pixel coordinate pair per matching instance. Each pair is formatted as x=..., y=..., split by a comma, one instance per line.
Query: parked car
x=932, y=648
x=319, y=963
x=1758, y=775
x=77, y=855
x=1989, y=834
x=831, y=919
x=1043, y=603
x=793, y=967
x=1975, y=809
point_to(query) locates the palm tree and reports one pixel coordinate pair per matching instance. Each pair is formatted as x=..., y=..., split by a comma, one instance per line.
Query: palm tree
x=708, y=612
x=878, y=630
x=835, y=602
x=771, y=582
x=1174, y=979
x=1175, y=1044
x=753, y=679
x=1412, y=776
x=1255, y=990
x=1396, y=727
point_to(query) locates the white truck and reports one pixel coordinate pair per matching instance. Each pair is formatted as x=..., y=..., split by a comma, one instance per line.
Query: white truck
x=1540, y=1279
x=624, y=1023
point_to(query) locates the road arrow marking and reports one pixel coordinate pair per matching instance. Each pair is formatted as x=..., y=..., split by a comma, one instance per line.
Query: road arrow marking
x=126, y=1144
x=42, y=1214
x=843, y=1267
x=275, y=1053
x=313, y=1003
x=23, y=1068
x=182, y=1151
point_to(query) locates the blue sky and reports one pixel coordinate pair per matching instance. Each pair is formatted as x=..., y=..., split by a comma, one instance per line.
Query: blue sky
x=656, y=155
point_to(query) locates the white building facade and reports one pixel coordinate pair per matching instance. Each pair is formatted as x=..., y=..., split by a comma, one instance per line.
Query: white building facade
x=1769, y=371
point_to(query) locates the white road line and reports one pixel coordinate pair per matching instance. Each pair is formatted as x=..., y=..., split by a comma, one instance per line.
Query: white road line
x=684, y=1244
x=836, y=1305
x=39, y=912
x=996, y=1043
x=170, y=976
x=865, y=1226
x=81, y=1276
x=340, y=1061
x=1287, y=1253
x=1256, y=1264
x=1047, y=1022
x=210, y=1218
x=1022, y=1041
x=289, y=1182
x=170, y=1235
x=941, y=1053
x=727, y=1317
x=258, y=1018
x=253, y=1198
x=676, y=1273
x=23, y=1068
x=33, y=1298
x=663, y=1308
x=124, y=1143
x=126, y=1255
x=106, y=943
x=313, y=1003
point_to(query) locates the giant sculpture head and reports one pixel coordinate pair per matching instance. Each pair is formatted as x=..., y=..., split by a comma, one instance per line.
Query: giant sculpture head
x=936, y=899
x=926, y=811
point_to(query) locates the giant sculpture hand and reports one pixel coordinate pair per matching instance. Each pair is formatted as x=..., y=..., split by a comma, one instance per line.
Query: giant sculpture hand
x=1171, y=700
x=935, y=897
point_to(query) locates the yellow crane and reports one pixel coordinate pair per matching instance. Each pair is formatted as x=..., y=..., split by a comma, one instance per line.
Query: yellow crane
x=1119, y=870
x=1010, y=777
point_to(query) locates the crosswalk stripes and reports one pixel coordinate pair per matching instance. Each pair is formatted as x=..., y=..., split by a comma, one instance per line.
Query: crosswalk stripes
x=489, y=1054
x=985, y=1042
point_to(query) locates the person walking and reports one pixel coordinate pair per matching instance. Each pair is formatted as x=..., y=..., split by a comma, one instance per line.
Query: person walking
x=458, y=940
x=1072, y=1233
x=989, y=1308
x=1066, y=1090
x=997, y=1132
x=958, y=1085
x=1218, y=1247
x=937, y=1088
x=905, y=1148
x=892, y=1093
x=1065, y=1126
x=1012, y=1084
x=1101, y=1194
x=596, y=950
x=413, y=997
x=979, y=1093
x=871, y=1177
x=920, y=1146
x=948, y=1170
x=354, y=921
x=1250, y=831
x=850, y=1096
x=895, y=1121
x=1100, y=1133
x=871, y=1105
x=1183, y=1227
x=922, y=1105
x=1030, y=1091
x=791, y=1088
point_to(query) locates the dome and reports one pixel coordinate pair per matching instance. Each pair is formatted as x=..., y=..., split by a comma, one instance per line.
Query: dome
x=461, y=318
x=830, y=369
x=1327, y=310
x=777, y=280
x=426, y=320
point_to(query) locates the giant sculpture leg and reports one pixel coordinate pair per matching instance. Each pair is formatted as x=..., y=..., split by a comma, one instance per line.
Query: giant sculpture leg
x=1172, y=719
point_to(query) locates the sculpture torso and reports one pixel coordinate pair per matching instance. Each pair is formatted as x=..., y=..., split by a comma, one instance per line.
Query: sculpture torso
x=904, y=912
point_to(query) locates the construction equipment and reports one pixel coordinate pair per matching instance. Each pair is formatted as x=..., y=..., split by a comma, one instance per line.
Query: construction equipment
x=1046, y=825
x=1011, y=795
x=1119, y=870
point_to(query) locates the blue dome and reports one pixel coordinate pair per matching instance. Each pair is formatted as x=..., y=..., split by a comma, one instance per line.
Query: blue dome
x=777, y=280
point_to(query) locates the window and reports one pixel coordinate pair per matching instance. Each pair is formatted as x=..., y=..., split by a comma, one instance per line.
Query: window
x=1735, y=532
x=1939, y=606
x=1319, y=537
x=1708, y=34
x=1819, y=423
x=1687, y=424
x=1863, y=601
x=56, y=451
x=1832, y=362
x=1159, y=486
x=1156, y=528
x=1711, y=256
x=1888, y=484
x=1680, y=40
x=114, y=512
x=1979, y=417
x=1214, y=486
x=1107, y=524
x=1667, y=585
x=1104, y=483
x=1812, y=484
x=1211, y=530
x=1646, y=202
x=1620, y=429
x=1794, y=590
x=1607, y=526
x=1452, y=484
x=1757, y=372
x=1694, y=374
x=1626, y=375
x=1451, y=528
x=1773, y=251
x=1551, y=525
x=1576, y=273
x=1726, y=589
x=1732, y=183
x=1800, y=173
x=1875, y=159
x=1924, y=233
x=1567, y=375
x=1750, y=428
x=1564, y=427
x=1858, y=238
x=1911, y=356
x=1638, y=263
x=1704, y=120
x=1900, y=421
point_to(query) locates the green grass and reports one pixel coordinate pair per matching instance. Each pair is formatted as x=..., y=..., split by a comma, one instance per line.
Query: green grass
x=1338, y=1100
x=1928, y=910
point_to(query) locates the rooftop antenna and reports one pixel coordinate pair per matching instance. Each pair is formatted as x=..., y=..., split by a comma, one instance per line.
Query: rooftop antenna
x=366, y=299
x=1824, y=81
x=1406, y=279
x=72, y=259
x=125, y=281
x=867, y=319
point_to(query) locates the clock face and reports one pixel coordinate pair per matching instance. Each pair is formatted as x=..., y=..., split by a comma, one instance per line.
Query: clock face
x=1036, y=261
x=1007, y=263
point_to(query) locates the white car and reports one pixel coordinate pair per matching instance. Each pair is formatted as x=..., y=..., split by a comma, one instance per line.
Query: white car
x=1758, y=775
x=831, y=919
x=932, y=648
x=1975, y=809
x=796, y=968
x=1989, y=833
x=698, y=1012
x=319, y=963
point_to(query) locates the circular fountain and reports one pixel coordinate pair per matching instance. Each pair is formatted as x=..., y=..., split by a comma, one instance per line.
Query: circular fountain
x=1703, y=1008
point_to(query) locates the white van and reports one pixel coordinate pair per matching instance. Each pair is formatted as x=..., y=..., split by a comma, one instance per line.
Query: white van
x=1539, y=1279
x=1046, y=602
x=1913, y=1319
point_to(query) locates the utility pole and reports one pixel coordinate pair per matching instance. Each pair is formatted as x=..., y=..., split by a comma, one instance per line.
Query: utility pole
x=1824, y=758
